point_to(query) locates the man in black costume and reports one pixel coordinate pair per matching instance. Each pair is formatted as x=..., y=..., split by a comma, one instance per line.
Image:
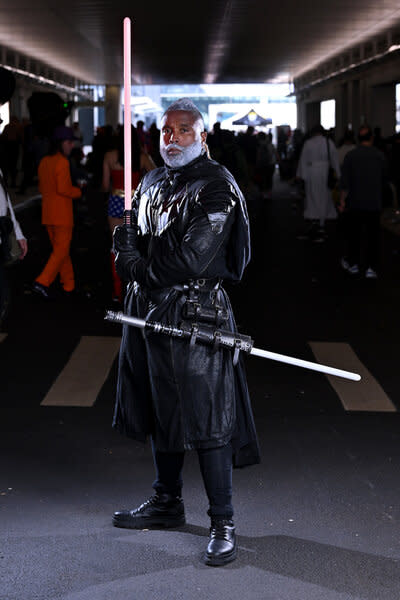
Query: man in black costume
x=192, y=232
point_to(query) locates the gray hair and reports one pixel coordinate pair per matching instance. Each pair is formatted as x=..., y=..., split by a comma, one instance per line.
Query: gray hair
x=187, y=105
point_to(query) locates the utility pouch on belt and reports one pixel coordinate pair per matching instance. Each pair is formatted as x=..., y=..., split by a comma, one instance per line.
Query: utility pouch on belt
x=194, y=311
x=216, y=315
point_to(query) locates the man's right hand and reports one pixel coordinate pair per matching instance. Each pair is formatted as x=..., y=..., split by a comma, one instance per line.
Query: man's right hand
x=126, y=253
x=125, y=238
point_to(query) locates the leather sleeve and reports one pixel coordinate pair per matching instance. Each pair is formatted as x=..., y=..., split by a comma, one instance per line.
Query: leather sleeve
x=209, y=225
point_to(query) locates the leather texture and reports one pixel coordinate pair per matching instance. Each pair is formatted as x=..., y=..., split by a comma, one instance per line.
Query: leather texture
x=187, y=214
x=194, y=225
x=222, y=545
x=160, y=510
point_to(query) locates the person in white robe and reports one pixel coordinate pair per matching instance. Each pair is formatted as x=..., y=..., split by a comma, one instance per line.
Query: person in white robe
x=5, y=209
x=313, y=170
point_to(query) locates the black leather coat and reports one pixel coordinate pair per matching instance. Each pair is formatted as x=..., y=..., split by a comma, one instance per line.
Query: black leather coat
x=194, y=226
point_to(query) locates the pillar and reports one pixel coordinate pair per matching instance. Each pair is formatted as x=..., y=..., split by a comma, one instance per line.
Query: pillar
x=313, y=115
x=342, y=112
x=383, y=108
x=355, y=105
x=113, y=105
x=301, y=114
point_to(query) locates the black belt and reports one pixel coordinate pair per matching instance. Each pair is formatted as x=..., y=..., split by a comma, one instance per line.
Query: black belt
x=199, y=285
x=193, y=287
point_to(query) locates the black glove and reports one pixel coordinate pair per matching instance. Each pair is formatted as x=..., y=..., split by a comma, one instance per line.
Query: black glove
x=125, y=238
x=126, y=253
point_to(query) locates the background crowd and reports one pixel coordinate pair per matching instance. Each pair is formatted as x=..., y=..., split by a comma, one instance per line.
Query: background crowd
x=364, y=181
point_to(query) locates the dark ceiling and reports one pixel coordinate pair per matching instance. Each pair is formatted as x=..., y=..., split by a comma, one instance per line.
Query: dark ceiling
x=219, y=41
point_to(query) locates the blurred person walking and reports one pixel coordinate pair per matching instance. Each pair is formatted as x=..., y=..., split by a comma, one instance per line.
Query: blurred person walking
x=248, y=145
x=113, y=177
x=57, y=212
x=78, y=142
x=12, y=139
x=346, y=145
x=265, y=163
x=28, y=157
x=395, y=168
x=318, y=154
x=364, y=173
x=154, y=133
x=6, y=223
x=144, y=137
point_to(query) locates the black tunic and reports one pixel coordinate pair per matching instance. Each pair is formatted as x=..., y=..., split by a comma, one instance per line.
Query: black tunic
x=194, y=226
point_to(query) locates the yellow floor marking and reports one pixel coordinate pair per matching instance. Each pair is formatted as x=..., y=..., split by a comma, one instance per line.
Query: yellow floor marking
x=364, y=395
x=83, y=376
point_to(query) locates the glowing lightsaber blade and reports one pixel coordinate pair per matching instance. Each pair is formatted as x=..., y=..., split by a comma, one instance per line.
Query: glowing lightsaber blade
x=127, y=114
x=306, y=364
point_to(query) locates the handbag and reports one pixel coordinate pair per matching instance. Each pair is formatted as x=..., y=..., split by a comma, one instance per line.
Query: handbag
x=332, y=177
x=10, y=250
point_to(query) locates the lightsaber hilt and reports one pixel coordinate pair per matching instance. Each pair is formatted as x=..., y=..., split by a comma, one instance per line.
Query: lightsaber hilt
x=119, y=317
x=130, y=218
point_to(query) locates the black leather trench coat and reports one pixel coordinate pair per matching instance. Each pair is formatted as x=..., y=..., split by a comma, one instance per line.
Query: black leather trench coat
x=194, y=227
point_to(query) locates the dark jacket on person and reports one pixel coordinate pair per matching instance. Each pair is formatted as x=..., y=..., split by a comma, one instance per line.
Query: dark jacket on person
x=363, y=176
x=194, y=227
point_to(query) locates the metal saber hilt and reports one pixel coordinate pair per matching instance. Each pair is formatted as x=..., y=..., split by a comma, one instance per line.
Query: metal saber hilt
x=194, y=332
x=227, y=339
x=119, y=317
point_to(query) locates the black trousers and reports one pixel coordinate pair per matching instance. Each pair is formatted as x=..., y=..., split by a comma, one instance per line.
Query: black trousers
x=216, y=470
x=364, y=231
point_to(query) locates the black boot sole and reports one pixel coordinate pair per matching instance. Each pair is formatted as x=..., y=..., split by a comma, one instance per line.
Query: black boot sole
x=220, y=561
x=149, y=522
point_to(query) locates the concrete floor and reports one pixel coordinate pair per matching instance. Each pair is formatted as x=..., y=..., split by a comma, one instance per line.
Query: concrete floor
x=318, y=519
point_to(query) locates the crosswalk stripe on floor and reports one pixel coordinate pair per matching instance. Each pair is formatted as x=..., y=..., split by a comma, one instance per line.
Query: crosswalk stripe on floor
x=364, y=395
x=82, y=378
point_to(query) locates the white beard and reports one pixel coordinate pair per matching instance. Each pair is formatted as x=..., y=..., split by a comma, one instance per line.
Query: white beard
x=185, y=156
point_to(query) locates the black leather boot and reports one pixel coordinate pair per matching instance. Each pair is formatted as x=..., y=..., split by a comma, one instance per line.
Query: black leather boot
x=221, y=547
x=161, y=510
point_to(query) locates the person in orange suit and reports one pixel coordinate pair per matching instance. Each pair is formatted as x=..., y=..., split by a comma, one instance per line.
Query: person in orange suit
x=57, y=212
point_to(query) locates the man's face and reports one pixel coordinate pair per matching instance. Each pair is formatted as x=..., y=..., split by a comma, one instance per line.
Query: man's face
x=67, y=146
x=181, y=138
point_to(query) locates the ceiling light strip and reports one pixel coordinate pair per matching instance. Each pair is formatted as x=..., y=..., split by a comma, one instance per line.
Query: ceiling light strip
x=45, y=81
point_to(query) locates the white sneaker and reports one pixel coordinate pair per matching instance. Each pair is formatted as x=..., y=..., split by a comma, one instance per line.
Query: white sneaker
x=370, y=273
x=354, y=270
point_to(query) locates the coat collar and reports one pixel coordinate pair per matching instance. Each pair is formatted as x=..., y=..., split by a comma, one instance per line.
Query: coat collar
x=197, y=162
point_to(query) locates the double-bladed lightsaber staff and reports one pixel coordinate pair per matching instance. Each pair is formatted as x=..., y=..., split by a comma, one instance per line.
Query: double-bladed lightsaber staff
x=193, y=332
x=220, y=338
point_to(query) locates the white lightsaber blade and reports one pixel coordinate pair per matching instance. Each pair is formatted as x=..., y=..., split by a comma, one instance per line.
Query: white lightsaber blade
x=127, y=114
x=297, y=362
